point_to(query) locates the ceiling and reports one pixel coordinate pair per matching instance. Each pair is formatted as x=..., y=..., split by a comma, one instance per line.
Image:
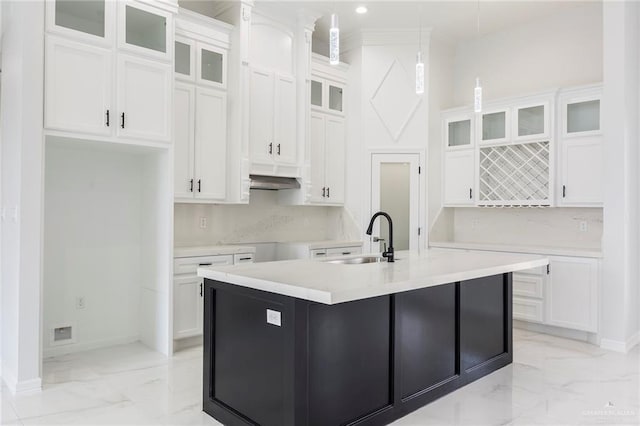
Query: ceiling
x=450, y=20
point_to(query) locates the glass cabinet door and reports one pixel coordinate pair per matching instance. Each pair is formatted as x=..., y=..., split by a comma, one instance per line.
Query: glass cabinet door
x=87, y=19
x=184, y=59
x=459, y=133
x=144, y=29
x=531, y=121
x=335, y=98
x=316, y=93
x=583, y=116
x=494, y=126
x=211, y=66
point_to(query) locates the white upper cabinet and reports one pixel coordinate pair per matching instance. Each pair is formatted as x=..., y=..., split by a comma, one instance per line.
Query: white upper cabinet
x=261, y=113
x=210, y=144
x=459, y=178
x=458, y=130
x=145, y=30
x=327, y=95
x=285, y=151
x=327, y=159
x=78, y=87
x=581, y=147
x=200, y=114
x=87, y=20
x=531, y=121
x=494, y=126
x=144, y=101
x=94, y=88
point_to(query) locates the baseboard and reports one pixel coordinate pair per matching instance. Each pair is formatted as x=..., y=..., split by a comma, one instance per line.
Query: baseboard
x=25, y=387
x=187, y=342
x=565, y=333
x=86, y=346
x=620, y=345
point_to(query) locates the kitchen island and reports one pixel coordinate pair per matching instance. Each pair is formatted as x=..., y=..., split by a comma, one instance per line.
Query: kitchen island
x=307, y=342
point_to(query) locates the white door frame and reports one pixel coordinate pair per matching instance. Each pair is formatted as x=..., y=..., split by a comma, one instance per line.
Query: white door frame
x=422, y=194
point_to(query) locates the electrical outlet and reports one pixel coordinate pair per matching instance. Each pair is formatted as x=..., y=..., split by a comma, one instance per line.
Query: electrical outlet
x=475, y=223
x=203, y=222
x=583, y=226
x=80, y=302
x=274, y=317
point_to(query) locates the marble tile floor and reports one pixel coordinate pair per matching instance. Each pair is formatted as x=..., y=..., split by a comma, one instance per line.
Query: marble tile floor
x=552, y=381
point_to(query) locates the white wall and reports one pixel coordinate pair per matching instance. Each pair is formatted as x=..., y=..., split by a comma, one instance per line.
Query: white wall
x=384, y=111
x=564, y=49
x=22, y=178
x=93, y=245
x=620, y=126
x=262, y=220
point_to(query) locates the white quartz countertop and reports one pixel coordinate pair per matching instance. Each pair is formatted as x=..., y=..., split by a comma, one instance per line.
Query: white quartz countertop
x=331, y=283
x=548, y=251
x=211, y=250
x=327, y=244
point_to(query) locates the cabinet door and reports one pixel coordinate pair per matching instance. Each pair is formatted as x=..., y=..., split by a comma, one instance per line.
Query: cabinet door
x=144, y=99
x=494, y=126
x=285, y=126
x=212, y=66
x=145, y=30
x=335, y=97
x=572, y=293
x=78, y=88
x=459, y=178
x=184, y=124
x=317, y=92
x=317, y=142
x=261, y=116
x=184, y=59
x=334, y=158
x=582, y=172
x=187, y=306
x=458, y=132
x=211, y=144
x=89, y=20
x=581, y=116
x=531, y=121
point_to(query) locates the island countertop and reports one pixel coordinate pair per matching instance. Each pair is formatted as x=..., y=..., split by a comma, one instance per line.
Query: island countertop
x=330, y=283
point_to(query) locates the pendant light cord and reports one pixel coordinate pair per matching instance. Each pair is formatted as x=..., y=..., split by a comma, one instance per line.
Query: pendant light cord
x=478, y=18
x=420, y=29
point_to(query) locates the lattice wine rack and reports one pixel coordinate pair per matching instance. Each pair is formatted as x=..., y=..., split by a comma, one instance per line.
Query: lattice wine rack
x=515, y=175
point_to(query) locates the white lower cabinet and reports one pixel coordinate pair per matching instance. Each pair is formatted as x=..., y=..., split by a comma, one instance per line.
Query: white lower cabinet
x=572, y=297
x=188, y=290
x=565, y=296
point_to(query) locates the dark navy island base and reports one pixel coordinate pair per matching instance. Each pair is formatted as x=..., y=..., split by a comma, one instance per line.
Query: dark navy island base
x=366, y=362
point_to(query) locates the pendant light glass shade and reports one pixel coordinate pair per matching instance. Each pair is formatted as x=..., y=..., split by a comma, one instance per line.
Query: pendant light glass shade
x=419, y=74
x=334, y=41
x=477, y=97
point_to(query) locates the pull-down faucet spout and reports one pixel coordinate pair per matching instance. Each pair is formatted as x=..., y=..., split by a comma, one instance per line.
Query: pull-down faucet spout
x=389, y=252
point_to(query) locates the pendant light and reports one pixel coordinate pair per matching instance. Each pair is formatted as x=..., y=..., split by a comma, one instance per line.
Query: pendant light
x=419, y=63
x=477, y=91
x=334, y=41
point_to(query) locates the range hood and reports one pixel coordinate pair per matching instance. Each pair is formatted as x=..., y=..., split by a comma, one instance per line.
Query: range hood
x=273, y=183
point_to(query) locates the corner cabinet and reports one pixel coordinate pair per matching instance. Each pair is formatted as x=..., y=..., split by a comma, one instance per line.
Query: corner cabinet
x=581, y=148
x=95, y=85
x=200, y=115
x=272, y=123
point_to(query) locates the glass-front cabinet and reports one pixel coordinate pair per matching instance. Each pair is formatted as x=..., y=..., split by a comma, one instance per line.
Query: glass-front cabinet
x=458, y=130
x=211, y=66
x=184, y=64
x=493, y=126
x=327, y=95
x=91, y=20
x=531, y=121
x=582, y=116
x=145, y=30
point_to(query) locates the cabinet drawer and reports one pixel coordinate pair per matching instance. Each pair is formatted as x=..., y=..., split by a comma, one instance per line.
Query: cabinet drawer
x=189, y=265
x=528, y=285
x=528, y=309
x=344, y=251
x=318, y=253
x=242, y=258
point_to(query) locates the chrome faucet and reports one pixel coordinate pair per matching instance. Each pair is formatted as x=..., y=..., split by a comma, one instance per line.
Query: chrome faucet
x=388, y=253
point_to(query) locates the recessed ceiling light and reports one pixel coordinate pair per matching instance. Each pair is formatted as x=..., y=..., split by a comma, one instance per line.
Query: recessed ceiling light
x=361, y=10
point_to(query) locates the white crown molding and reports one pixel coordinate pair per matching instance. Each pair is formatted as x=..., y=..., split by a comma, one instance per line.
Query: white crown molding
x=385, y=37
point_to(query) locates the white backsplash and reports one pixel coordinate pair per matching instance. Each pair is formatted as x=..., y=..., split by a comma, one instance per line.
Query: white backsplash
x=262, y=220
x=556, y=227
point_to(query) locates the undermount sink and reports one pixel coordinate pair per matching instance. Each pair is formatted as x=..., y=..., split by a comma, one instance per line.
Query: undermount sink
x=358, y=260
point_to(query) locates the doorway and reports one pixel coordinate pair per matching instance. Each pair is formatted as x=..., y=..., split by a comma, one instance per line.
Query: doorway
x=395, y=189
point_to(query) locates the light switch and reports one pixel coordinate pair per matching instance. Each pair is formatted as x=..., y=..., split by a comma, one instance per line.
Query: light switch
x=274, y=317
